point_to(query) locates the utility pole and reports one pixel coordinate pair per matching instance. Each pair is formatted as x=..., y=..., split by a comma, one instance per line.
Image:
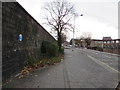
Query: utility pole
x=73, y=41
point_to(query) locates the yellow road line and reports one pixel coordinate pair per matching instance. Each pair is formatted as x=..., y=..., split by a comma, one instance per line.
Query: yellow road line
x=103, y=63
x=110, y=67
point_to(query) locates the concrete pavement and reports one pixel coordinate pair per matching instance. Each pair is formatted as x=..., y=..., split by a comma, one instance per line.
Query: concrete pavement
x=77, y=70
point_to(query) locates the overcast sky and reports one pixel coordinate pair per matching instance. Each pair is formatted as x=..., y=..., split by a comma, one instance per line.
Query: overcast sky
x=100, y=17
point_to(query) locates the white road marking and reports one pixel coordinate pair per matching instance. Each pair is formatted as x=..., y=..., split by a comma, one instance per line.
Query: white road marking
x=108, y=56
x=94, y=52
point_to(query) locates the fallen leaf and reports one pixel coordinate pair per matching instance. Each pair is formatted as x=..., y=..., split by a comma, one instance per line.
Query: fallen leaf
x=10, y=80
x=36, y=75
x=20, y=76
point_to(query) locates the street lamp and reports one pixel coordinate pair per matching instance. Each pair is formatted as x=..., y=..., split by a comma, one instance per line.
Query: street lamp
x=73, y=42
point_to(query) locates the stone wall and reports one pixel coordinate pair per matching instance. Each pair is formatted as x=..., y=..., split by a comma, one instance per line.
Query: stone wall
x=15, y=21
x=114, y=51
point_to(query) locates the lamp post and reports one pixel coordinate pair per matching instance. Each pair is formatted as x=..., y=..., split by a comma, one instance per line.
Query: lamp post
x=73, y=42
x=73, y=34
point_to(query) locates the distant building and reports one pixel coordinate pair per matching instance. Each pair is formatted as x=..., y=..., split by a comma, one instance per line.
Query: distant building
x=107, y=44
x=66, y=43
x=63, y=37
x=107, y=38
x=96, y=43
x=78, y=42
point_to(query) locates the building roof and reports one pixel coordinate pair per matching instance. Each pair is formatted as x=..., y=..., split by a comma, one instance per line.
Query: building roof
x=107, y=38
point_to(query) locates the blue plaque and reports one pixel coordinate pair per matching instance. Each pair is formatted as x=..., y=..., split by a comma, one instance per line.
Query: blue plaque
x=20, y=37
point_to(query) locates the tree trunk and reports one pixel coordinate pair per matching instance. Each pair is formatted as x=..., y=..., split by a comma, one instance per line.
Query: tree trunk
x=59, y=41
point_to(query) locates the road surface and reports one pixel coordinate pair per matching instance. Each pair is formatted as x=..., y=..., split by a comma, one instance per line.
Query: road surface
x=79, y=69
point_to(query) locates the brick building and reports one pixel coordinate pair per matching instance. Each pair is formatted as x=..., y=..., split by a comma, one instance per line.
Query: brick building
x=108, y=44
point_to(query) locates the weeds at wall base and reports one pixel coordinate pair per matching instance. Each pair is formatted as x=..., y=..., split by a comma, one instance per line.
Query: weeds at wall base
x=43, y=63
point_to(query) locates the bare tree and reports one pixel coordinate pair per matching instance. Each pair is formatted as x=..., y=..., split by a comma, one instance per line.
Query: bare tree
x=87, y=34
x=87, y=38
x=58, y=15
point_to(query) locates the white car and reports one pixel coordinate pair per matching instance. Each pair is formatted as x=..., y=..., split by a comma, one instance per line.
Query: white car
x=70, y=45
